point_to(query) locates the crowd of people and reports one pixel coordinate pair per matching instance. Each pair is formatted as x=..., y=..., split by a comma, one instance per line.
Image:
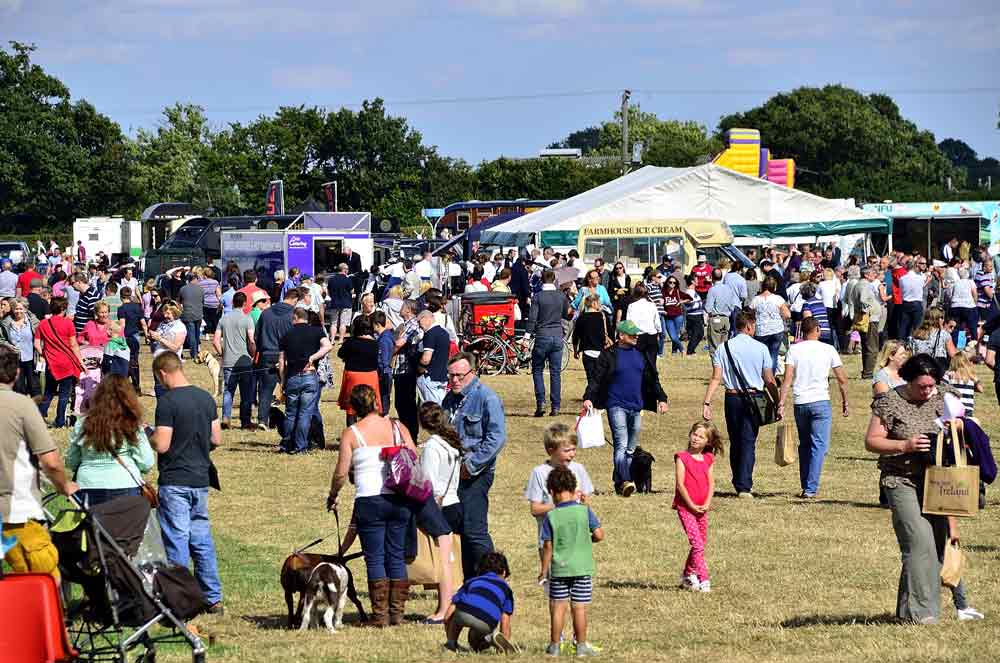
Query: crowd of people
x=774, y=330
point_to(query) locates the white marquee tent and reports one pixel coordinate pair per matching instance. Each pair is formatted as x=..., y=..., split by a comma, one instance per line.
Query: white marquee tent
x=752, y=207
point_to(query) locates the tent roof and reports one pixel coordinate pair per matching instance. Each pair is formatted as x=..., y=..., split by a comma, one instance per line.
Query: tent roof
x=751, y=206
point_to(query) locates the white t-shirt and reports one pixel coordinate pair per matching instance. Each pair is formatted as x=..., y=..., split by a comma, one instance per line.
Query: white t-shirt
x=536, y=491
x=830, y=292
x=424, y=269
x=768, y=310
x=911, y=285
x=489, y=271
x=813, y=361
x=440, y=461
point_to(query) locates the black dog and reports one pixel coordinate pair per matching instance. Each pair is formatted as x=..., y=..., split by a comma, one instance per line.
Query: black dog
x=642, y=470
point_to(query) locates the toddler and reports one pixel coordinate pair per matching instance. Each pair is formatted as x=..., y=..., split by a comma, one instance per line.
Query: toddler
x=854, y=343
x=560, y=445
x=695, y=485
x=962, y=377
x=569, y=531
x=483, y=603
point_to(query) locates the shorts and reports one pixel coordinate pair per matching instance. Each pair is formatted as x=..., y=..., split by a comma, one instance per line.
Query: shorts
x=431, y=519
x=577, y=589
x=340, y=317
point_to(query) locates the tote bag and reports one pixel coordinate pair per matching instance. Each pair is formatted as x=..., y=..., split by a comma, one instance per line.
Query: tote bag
x=951, y=490
x=427, y=566
x=953, y=565
x=785, y=447
x=590, y=429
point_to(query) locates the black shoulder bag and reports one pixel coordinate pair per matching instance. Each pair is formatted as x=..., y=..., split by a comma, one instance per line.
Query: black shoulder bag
x=763, y=410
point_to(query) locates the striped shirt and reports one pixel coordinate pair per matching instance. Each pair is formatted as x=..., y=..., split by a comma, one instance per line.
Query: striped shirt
x=655, y=294
x=818, y=310
x=984, y=280
x=85, y=307
x=966, y=392
x=485, y=597
x=695, y=306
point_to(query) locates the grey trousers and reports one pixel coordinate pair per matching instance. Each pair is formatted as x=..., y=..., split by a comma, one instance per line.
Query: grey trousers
x=921, y=540
x=718, y=330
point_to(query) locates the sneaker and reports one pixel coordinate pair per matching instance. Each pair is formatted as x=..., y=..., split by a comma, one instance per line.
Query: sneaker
x=552, y=649
x=745, y=496
x=807, y=496
x=224, y=425
x=627, y=489
x=584, y=650
x=969, y=614
x=539, y=412
x=216, y=609
x=705, y=586
x=500, y=641
x=690, y=582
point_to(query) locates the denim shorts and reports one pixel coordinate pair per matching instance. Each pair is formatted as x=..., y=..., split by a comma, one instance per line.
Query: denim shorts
x=431, y=519
x=577, y=590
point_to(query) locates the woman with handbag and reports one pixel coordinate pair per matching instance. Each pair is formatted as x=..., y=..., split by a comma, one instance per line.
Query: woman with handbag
x=19, y=330
x=901, y=430
x=108, y=449
x=440, y=459
x=381, y=514
x=932, y=338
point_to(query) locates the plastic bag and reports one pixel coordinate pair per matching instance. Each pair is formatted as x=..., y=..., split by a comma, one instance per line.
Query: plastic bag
x=590, y=429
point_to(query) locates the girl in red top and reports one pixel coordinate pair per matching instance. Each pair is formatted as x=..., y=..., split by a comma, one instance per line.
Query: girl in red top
x=695, y=485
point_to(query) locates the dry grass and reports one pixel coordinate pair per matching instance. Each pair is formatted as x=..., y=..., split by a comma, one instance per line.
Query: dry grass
x=792, y=581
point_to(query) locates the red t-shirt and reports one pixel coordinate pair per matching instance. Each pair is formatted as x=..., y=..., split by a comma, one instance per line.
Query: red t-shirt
x=57, y=334
x=897, y=293
x=248, y=290
x=695, y=477
x=702, y=273
x=25, y=279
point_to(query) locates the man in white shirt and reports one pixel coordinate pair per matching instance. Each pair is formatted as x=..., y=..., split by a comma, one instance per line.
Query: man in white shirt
x=807, y=374
x=424, y=268
x=911, y=286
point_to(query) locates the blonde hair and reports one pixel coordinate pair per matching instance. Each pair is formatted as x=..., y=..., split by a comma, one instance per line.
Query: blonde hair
x=960, y=367
x=99, y=305
x=888, y=350
x=714, y=445
x=932, y=321
x=592, y=302
x=395, y=292
x=197, y=271
x=556, y=435
x=172, y=308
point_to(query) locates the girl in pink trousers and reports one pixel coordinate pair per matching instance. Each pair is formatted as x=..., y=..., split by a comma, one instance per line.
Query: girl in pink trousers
x=695, y=485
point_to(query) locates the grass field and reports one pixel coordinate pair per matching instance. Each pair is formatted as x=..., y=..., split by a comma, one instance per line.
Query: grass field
x=791, y=581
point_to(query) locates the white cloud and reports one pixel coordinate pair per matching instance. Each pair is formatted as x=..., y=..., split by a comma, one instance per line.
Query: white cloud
x=522, y=8
x=311, y=77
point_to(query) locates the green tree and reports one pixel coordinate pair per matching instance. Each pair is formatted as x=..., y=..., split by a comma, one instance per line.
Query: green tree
x=58, y=159
x=846, y=144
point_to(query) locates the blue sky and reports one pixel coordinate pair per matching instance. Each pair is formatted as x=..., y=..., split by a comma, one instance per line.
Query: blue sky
x=687, y=59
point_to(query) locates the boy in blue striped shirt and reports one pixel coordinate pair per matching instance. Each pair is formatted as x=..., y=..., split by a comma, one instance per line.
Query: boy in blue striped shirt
x=483, y=603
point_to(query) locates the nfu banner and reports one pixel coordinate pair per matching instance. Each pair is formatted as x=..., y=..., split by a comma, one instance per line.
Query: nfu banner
x=275, y=200
x=299, y=252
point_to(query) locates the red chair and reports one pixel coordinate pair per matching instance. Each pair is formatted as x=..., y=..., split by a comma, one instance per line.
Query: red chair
x=31, y=620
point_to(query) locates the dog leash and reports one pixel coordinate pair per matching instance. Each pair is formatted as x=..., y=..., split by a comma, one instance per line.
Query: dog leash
x=340, y=542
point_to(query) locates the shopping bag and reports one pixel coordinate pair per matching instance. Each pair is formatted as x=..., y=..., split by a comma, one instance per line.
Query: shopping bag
x=426, y=568
x=951, y=490
x=785, y=452
x=953, y=564
x=590, y=429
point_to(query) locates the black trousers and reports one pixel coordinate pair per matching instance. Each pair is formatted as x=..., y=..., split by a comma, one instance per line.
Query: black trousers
x=406, y=402
x=695, y=332
x=27, y=380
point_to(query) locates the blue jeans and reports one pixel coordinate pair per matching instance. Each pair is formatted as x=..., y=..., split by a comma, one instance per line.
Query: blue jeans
x=547, y=349
x=193, y=340
x=814, y=421
x=187, y=535
x=382, y=521
x=64, y=388
x=625, y=426
x=241, y=377
x=430, y=391
x=673, y=327
x=301, y=397
x=773, y=343
x=474, y=494
x=662, y=336
x=743, y=432
x=910, y=316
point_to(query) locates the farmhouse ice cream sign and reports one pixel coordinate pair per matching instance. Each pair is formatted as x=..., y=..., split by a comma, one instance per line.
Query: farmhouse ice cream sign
x=299, y=252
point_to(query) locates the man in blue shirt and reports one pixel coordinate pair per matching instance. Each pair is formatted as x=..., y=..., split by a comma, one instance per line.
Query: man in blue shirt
x=625, y=383
x=721, y=303
x=477, y=414
x=753, y=361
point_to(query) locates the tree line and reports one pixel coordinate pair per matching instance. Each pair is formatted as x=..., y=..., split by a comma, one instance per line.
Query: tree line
x=61, y=159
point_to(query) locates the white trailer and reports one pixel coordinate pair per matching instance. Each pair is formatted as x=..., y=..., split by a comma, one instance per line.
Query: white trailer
x=114, y=235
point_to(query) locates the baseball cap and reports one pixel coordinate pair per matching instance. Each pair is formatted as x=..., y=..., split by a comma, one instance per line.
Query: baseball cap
x=258, y=296
x=628, y=327
x=702, y=258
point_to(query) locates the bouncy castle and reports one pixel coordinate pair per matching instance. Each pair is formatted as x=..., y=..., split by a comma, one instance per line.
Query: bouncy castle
x=744, y=154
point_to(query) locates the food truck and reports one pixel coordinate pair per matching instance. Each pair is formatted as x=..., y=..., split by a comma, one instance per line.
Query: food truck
x=641, y=243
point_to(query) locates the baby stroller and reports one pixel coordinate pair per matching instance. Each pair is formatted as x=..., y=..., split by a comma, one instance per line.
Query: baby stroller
x=114, y=552
x=91, y=377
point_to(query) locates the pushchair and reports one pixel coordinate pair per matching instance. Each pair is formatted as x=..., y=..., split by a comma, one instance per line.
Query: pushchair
x=89, y=379
x=114, y=552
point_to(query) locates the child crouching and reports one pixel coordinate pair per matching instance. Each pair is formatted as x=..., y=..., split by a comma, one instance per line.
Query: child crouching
x=568, y=532
x=481, y=604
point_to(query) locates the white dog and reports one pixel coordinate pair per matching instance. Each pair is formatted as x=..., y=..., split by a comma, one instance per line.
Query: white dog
x=328, y=584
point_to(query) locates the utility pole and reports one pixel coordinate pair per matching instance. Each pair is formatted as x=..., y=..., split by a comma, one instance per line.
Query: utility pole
x=626, y=160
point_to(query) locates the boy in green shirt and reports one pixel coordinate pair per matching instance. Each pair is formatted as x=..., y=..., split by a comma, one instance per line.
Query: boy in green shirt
x=569, y=531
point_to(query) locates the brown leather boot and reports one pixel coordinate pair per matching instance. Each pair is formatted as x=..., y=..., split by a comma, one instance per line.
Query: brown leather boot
x=399, y=591
x=378, y=591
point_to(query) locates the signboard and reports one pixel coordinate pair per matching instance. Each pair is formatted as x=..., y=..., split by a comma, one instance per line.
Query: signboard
x=433, y=212
x=299, y=252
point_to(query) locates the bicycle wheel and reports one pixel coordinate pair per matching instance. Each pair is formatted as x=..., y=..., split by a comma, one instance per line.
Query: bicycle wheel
x=490, y=353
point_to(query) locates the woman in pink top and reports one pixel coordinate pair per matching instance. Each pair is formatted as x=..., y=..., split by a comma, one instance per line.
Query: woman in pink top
x=695, y=485
x=95, y=332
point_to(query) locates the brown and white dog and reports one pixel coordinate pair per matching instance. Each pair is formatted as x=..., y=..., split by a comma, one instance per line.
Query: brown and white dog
x=327, y=584
x=297, y=578
x=214, y=368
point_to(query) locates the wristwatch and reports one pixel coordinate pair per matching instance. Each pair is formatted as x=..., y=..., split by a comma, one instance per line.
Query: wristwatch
x=708, y=403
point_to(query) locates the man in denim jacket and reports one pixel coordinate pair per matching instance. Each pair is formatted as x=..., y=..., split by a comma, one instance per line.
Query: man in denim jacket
x=476, y=412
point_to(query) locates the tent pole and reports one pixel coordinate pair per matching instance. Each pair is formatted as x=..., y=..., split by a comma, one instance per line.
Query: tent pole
x=928, y=240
